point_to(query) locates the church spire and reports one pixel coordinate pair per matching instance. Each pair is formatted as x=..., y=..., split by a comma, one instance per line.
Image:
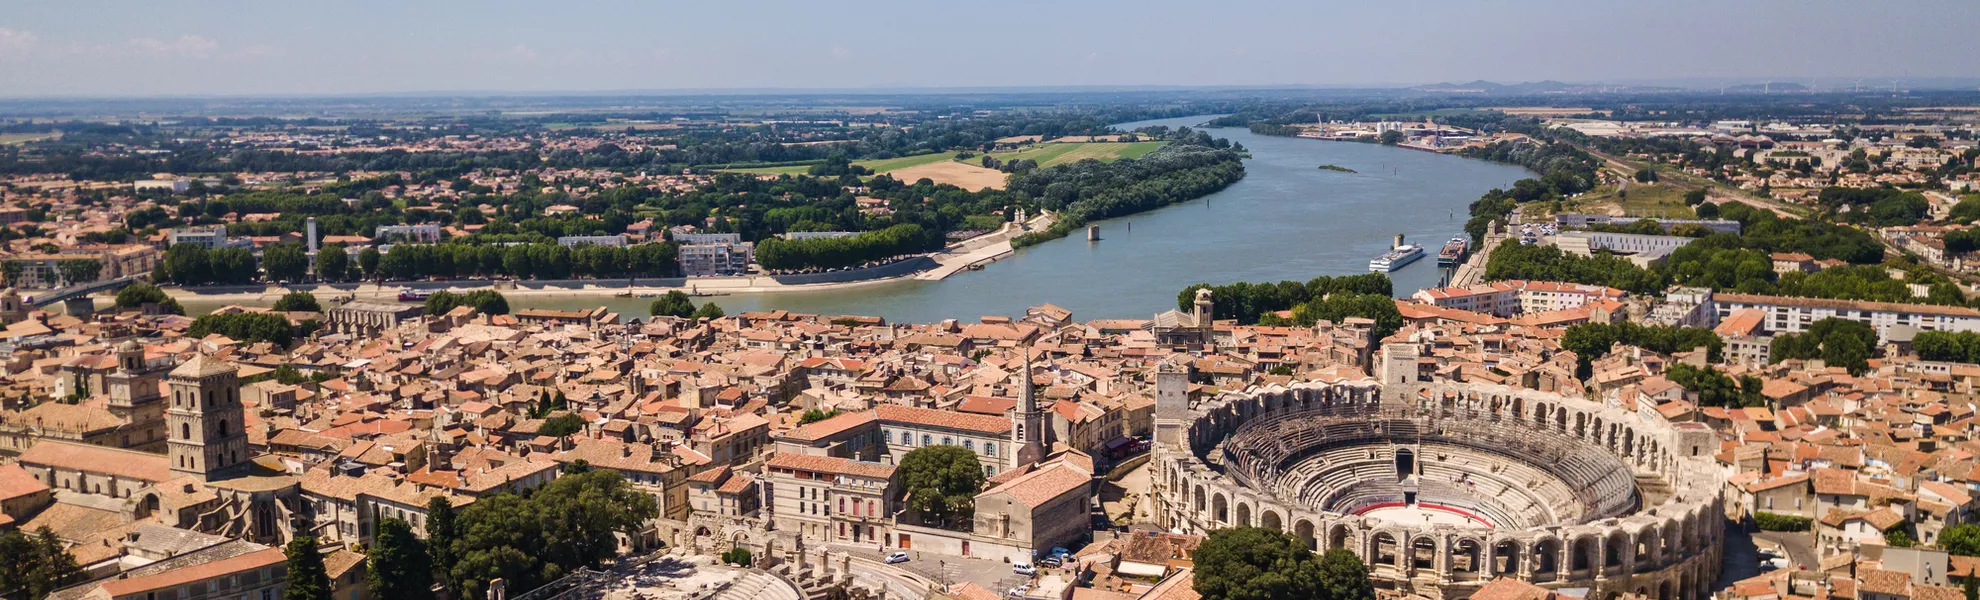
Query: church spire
x=1028, y=424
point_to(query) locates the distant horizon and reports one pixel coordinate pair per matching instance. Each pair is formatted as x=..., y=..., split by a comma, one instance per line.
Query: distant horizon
x=1686, y=85
x=240, y=48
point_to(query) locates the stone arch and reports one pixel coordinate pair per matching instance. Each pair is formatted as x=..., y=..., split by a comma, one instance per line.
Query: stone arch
x=1647, y=548
x=1243, y=514
x=1423, y=552
x=1505, y=558
x=1303, y=529
x=1546, y=559
x=1199, y=500
x=1384, y=549
x=1269, y=519
x=1338, y=537
x=1582, y=555
x=1220, y=509
x=1615, y=552
x=1467, y=555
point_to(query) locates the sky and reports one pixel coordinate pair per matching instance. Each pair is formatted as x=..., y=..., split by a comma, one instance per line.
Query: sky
x=277, y=47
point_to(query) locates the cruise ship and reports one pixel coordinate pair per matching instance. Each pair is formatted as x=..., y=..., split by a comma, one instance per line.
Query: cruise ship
x=1399, y=255
x=1454, y=253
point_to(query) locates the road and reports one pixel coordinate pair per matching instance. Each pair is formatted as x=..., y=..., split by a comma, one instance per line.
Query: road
x=945, y=569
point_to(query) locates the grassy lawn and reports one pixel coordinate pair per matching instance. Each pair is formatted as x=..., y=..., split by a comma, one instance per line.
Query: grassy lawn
x=7, y=139
x=878, y=165
x=1058, y=154
x=1641, y=199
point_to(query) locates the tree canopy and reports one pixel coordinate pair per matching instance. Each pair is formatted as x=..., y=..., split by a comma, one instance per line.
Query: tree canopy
x=36, y=564
x=397, y=564
x=1251, y=563
x=306, y=579
x=941, y=482
x=565, y=525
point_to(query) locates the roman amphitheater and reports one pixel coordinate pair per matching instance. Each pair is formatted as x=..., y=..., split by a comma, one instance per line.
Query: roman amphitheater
x=1443, y=487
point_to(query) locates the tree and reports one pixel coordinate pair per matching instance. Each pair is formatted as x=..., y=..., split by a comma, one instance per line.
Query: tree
x=581, y=512
x=1251, y=563
x=307, y=579
x=815, y=415
x=1646, y=175
x=79, y=271
x=397, y=565
x=37, y=564
x=673, y=304
x=368, y=260
x=488, y=302
x=1961, y=540
x=137, y=295
x=1694, y=197
x=561, y=425
x=245, y=327
x=285, y=261
x=441, y=531
x=941, y=482
x=708, y=311
x=333, y=263
x=1707, y=211
x=298, y=302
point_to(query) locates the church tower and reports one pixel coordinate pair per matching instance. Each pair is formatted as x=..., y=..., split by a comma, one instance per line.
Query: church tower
x=1171, y=402
x=134, y=398
x=1027, y=422
x=203, y=423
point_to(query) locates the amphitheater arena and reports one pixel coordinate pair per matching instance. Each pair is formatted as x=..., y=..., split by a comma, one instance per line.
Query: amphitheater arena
x=1443, y=487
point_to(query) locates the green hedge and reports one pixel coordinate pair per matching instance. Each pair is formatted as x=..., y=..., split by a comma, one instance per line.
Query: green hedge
x=1776, y=522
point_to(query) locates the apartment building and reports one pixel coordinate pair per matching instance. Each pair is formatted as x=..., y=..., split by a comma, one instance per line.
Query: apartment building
x=1794, y=315
x=831, y=499
x=714, y=254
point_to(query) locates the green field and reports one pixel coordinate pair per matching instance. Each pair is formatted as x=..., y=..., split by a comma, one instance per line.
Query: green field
x=881, y=165
x=22, y=138
x=1058, y=154
x=1642, y=199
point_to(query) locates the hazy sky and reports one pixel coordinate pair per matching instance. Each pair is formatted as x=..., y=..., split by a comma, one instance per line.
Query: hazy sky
x=195, y=47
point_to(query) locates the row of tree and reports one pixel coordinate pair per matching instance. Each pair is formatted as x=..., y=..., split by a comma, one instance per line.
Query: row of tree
x=1838, y=342
x=1248, y=302
x=523, y=261
x=836, y=252
x=1949, y=346
x=487, y=302
x=247, y=327
x=1589, y=341
x=193, y=264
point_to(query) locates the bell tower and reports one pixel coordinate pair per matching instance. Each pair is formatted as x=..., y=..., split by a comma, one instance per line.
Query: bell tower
x=134, y=398
x=203, y=422
x=1027, y=422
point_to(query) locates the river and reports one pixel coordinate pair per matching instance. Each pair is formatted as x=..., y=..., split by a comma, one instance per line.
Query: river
x=1287, y=219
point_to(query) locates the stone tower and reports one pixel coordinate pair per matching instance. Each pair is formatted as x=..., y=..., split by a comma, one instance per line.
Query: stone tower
x=12, y=309
x=1027, y=422
x=1205, y=314
x=134, y=398
x=203, y=423
x=1399, y=371
x=1171, y=402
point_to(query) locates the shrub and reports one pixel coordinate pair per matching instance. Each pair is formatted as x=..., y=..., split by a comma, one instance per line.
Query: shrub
x=1778, y=522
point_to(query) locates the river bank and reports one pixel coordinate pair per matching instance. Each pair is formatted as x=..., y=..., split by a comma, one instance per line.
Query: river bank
x=1284, y=220
x=973, y=252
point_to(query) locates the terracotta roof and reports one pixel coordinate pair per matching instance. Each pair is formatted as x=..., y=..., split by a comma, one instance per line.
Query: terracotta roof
x=830, y=464
x=942, y=418
x=201, y=366
x=195, y=573
x=1038, y=487
x=16, y=482
x=98, y=459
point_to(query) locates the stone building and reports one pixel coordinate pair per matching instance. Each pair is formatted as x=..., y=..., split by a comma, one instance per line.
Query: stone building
x=368, y=319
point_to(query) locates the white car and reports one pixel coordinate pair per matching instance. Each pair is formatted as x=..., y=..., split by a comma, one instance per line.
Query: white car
x=897, y=557
x=1024, y=569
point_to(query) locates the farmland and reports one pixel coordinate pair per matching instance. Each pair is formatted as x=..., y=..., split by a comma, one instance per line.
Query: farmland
x=881, y=165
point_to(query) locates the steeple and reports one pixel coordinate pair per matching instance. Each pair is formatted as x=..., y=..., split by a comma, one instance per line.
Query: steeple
x=1027, y=423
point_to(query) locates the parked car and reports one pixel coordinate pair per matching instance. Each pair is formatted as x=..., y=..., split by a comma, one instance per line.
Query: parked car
x=1024, y=569
x=1061, y=553
x=1050, y=561
x=897, y=557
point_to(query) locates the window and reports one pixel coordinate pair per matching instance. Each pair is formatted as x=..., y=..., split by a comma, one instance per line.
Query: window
x=927, y=440
x=948, y=441
x=990, y=448
x=969, y=445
